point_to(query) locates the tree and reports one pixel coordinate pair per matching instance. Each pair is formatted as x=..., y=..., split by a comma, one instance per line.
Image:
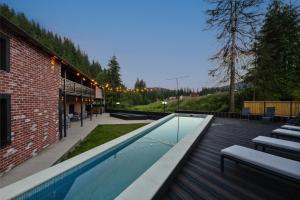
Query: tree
x=114, y=72
x=140, y=84
x=277, y=72
x=235, y=22
x=64, y=47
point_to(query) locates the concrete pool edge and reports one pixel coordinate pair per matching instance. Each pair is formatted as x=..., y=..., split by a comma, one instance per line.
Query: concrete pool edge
x=24, y=185
x=152, y=182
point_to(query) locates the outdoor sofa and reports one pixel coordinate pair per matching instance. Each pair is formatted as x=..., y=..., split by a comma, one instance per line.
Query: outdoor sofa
x=273, y=143
x=271, y=164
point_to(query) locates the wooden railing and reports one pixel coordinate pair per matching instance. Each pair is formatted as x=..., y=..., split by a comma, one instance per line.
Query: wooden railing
x=73, y=88
x=282, y=108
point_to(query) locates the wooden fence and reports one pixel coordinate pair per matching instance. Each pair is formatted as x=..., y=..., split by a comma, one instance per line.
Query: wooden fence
x=282, y=108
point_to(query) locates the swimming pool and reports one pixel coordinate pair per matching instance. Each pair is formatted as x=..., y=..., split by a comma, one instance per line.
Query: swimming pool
x=107, y=174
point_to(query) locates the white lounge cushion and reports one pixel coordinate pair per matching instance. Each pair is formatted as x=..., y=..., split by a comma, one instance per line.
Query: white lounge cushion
x=283, y=166
x=287, y=132
x=283, y=144
x=295, y=128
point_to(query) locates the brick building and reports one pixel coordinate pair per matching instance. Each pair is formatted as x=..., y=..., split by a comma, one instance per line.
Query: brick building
x=38, y=92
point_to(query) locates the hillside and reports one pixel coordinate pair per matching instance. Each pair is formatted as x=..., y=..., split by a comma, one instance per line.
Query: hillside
x=214, y=102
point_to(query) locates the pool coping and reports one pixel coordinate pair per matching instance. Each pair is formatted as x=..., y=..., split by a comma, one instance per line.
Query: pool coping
x=24, y=185
x=153, y=181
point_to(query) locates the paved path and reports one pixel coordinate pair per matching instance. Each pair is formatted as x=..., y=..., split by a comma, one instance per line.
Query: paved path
x=50, y=155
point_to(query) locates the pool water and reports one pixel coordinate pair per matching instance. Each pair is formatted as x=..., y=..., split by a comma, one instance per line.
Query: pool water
x=107, y=176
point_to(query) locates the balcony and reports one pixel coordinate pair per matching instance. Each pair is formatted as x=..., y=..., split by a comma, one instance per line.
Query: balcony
x=75, y=89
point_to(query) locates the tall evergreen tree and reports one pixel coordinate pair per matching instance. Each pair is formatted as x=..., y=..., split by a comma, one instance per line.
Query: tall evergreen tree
x=114, y=72
x=235, y=22
x=140, y=84
x=277, y=71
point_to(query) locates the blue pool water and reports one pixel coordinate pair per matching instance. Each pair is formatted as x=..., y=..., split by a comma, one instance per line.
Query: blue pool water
x=108, y=175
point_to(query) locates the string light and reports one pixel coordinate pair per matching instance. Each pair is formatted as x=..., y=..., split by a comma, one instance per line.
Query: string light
x=53, y=60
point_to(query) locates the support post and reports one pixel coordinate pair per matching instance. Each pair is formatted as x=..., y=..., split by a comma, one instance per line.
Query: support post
x=60, y=114
x=81, y=107
x=91, y=106
x=291, y=109
x=65, y=105
x=96, y=108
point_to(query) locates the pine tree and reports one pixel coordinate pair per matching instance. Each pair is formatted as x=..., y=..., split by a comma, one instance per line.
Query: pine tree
x=235, y=21
x=114, y=72
x=277, y=73
x=140, y=84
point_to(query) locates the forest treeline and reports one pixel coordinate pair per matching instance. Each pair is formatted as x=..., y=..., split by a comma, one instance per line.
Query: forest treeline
x=62, y=46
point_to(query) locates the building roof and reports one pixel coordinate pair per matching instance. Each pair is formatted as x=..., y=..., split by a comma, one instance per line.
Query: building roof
x=25, y=36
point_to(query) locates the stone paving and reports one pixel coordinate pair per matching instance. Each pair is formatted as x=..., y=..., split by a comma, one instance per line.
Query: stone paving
x=50, y=155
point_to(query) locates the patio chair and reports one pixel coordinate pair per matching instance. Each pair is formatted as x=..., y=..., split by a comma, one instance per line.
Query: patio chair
x=75, y=117
x=285, y=132
x=245, y=113
x=269, y=115
x=291, y=127
x=294, y=120
x=273, y=143
x=271, y=164
x=68, y=121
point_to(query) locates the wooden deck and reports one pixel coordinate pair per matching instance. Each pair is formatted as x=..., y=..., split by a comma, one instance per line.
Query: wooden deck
x=201, y=178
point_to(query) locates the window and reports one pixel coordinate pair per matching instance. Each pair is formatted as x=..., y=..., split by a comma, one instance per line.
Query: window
x=4, y=52
x=5, y=134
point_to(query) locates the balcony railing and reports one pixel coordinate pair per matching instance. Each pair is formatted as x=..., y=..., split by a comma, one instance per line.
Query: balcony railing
x=73, y=88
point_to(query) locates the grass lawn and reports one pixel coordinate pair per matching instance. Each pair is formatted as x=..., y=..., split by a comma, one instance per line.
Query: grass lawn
x=102, y=134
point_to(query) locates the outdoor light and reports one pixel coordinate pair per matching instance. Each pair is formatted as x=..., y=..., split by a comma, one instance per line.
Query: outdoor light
x=118, y=103
x=53, y=60
x=77, y=74
x=164, y=103
x=83, y=79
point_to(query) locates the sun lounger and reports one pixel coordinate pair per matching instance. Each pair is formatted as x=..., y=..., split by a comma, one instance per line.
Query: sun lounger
x=285, y=132
x=291, y=127
x=275, y=165
x=274, y=143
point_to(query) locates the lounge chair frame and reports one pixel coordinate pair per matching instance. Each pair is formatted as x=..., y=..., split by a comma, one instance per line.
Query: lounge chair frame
x=279, y=134
x=264, y=146
x=239, y=161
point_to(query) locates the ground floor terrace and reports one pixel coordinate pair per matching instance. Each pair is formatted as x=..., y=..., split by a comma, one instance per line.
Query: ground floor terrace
x=48, y=157
x=201, y=177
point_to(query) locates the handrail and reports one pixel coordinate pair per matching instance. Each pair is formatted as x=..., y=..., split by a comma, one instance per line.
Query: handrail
x=74, y=88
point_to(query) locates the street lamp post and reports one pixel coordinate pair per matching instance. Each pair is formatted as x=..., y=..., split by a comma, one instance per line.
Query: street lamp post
x=164, y=103
x=117, y=103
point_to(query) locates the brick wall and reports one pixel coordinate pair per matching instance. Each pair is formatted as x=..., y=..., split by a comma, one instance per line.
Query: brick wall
x=34, y=87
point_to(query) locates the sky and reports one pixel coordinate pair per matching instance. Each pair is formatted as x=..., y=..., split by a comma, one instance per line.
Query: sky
x=153, y=39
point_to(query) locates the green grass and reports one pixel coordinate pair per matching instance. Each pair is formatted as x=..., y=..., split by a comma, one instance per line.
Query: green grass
x=215, y=102
x=100, y=135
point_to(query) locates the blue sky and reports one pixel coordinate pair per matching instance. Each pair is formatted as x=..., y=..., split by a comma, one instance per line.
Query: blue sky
x=152, y=39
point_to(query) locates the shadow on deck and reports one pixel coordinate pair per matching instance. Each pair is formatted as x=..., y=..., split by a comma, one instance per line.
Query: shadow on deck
x=201, y=178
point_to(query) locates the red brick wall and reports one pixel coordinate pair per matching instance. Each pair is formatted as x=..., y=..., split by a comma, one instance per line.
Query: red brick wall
x=34, y=87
